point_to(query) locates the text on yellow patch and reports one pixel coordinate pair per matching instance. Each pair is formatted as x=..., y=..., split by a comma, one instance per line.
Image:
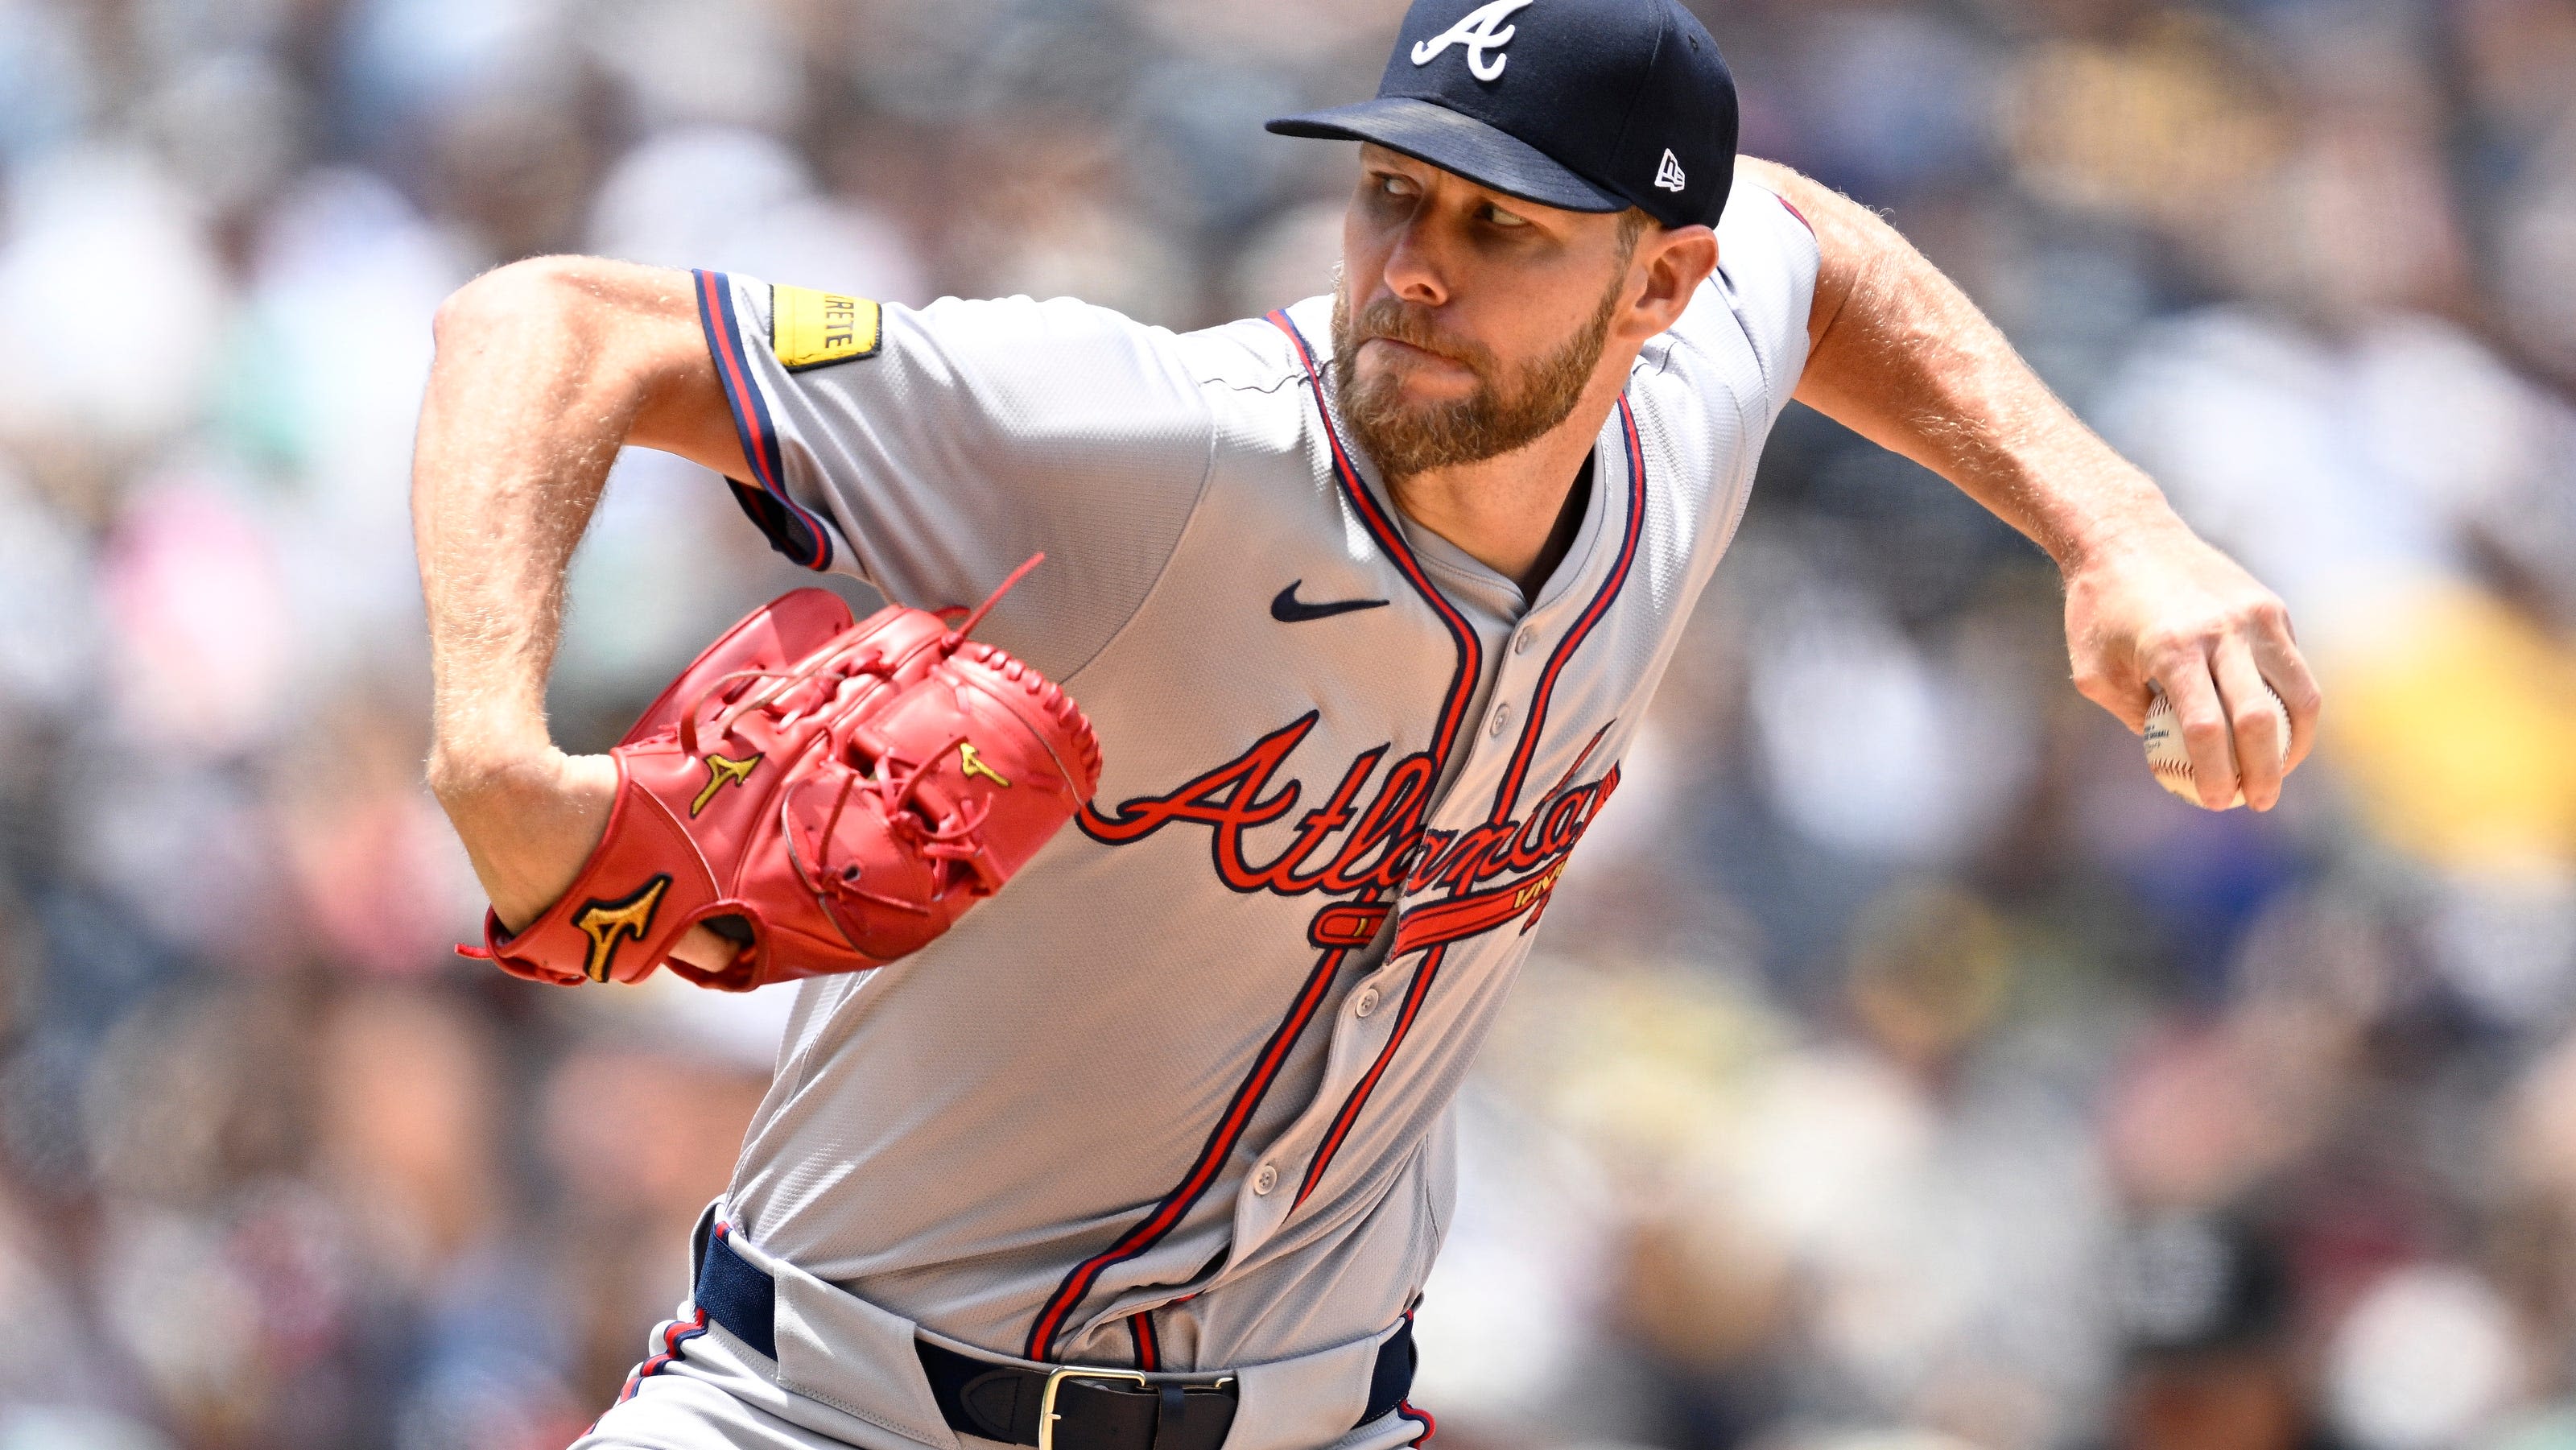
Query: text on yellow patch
x=810, y=329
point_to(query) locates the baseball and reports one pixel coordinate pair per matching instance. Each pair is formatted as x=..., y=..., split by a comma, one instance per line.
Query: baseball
x=2170, y=759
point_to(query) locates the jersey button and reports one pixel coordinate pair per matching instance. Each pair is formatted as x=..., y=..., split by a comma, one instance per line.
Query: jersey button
x=1528, y=637
x=1365, y=1003
x=1264, y=1179
x=1502, y=717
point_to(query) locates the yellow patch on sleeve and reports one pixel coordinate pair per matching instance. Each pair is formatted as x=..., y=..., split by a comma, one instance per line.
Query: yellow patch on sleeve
x=810, y=329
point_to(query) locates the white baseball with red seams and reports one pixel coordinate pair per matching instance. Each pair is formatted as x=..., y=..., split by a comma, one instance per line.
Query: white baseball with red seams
x=2170, y=759
x=1180, y=1095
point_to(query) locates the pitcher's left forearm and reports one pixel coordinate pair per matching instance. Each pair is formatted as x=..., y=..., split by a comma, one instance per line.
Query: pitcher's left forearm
x=1898, y=353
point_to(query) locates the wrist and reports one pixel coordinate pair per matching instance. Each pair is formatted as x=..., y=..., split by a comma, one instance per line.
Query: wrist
x=462, y=774
x=488, y=742
x=2105, y=534
x=528, y=822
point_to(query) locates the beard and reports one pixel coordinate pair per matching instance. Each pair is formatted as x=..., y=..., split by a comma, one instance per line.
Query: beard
x=1502, y=414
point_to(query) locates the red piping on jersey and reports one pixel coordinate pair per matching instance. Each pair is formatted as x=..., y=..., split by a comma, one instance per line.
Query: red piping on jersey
x=1430, y=1426
x=1470, y=668
x=1168, y=1212
x=751, y=412
x=1507, y=795
x=1414, y=992
x=1462, y=686
x=673, y=1334
x=1149, y=1351
x=1465, y=919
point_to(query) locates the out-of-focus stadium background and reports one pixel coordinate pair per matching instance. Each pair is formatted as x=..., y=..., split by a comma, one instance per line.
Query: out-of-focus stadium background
x=1901, y=1065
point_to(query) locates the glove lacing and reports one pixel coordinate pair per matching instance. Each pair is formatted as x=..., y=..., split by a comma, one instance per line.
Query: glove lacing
x=955, y=839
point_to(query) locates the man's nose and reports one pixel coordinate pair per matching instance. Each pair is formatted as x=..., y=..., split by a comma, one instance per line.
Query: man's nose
x=1413, y=270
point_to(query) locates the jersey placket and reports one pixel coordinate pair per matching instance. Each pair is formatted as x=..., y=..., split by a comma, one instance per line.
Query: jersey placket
x=1398, y=995
x=1379, y=1014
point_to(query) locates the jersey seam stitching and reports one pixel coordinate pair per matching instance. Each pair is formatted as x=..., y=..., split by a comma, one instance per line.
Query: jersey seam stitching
x=1284, y=380
x=883, y=1422
x=1162, y=573
x=1769, y=364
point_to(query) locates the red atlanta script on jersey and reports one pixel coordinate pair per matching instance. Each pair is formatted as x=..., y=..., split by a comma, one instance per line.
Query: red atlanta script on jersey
x=1380, y=847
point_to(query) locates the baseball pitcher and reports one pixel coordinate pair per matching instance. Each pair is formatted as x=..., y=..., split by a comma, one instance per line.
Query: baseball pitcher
x=1258, y=785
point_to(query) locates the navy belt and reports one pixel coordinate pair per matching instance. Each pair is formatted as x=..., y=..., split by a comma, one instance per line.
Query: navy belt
x=1069, y=1408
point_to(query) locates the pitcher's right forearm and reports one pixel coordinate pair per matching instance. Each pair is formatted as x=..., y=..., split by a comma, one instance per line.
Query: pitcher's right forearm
x=517, y=432
x=544, y=370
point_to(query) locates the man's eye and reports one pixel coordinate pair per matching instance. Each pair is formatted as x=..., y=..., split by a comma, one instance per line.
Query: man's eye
x=1504, y=219
x=1395, y=186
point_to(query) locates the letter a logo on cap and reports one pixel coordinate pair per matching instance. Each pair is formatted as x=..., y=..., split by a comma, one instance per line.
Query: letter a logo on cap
x=1669, y=175
x=1477, y=32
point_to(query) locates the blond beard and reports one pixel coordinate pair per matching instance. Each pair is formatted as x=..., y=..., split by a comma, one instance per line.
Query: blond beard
x=1409, y=439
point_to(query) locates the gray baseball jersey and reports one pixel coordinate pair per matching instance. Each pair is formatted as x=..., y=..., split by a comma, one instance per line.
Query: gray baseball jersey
x=1178, y=1097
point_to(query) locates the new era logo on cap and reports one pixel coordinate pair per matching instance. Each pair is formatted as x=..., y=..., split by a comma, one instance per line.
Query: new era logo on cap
x=1588, y=105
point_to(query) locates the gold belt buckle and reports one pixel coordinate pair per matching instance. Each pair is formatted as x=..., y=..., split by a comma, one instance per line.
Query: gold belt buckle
x=1055, y=1380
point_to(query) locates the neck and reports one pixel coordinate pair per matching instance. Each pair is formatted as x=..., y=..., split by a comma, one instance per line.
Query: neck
x=1509, y=512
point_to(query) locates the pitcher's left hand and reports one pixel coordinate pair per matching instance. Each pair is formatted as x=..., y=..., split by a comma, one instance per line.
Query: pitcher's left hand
x=2157, y=608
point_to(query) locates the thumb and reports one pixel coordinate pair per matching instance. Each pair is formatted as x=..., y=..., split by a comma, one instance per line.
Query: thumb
x=2113, y=682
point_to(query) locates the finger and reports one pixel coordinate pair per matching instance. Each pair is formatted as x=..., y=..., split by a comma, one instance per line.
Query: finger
x=2127, y=701
x=2278, y=656
x=2254, y=727
x=704, y=950
x=2183, y=674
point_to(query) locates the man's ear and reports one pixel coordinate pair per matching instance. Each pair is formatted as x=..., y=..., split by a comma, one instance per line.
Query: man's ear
x=1675, y=261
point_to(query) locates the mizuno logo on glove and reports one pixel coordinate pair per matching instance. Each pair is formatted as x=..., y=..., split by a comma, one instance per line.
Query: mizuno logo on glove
x=611, y=924
x=721, y=772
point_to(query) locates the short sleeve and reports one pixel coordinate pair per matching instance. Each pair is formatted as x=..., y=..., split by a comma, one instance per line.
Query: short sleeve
x=1709, y=390
x=931, y=451
x=1764, y=289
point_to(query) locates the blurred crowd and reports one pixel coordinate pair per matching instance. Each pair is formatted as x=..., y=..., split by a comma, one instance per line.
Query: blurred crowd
x=1901, y=1067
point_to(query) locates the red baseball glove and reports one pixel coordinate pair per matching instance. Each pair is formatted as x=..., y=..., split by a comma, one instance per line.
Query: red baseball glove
x=829, y=795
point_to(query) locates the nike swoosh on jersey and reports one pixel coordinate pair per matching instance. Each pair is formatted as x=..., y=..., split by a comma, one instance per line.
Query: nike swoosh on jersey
x=1287, y=608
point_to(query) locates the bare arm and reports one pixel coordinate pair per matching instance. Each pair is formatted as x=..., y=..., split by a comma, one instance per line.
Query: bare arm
x=544, y=369
x=1900, y=355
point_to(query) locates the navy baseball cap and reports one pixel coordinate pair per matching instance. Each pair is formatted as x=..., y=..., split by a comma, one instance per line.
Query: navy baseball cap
x=1589, y=105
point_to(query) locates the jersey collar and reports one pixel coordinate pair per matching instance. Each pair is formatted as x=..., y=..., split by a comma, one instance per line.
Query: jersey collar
x=1603, y=513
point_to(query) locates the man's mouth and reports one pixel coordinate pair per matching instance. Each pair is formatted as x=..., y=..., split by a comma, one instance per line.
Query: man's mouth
x=1414, y=351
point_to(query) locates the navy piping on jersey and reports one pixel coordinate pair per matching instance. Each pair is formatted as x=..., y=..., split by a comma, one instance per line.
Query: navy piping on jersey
x=1462, y=686
x=674, y=1334
x=1415, y=990
x=1470, y=661
x=1429, y=967
x=1426, y=971
x=1149, y=1349
x=1169, y=1211
x=792, y=528
x=1507, y=795
x=1418, y=987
